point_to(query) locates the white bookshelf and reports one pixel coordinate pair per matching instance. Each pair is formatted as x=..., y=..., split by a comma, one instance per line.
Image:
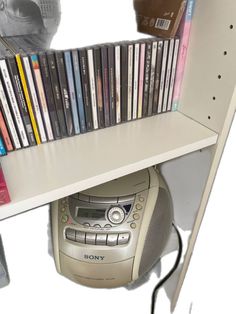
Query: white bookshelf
x=39, y=175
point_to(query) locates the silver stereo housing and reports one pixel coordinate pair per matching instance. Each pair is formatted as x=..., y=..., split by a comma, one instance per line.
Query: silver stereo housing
x=110, y=235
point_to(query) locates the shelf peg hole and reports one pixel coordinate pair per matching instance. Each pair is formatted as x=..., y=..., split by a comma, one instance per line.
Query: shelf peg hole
x=231, y=26
x=214, y=98
x=209, y=117
x=219, y=76
x=225, y=53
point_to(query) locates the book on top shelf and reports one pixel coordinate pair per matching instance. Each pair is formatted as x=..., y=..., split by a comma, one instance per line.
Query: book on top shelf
x=184, y=34
x=159, y=18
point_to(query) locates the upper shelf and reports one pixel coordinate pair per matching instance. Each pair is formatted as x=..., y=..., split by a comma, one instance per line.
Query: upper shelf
x=41, y=174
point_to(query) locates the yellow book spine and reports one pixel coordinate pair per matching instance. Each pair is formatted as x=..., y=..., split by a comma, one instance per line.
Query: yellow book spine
x=27, y=97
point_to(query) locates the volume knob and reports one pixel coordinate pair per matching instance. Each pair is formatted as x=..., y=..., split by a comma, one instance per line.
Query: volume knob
x=116, y=215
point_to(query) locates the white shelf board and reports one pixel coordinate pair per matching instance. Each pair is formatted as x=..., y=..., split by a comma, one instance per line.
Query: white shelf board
x=41, y=174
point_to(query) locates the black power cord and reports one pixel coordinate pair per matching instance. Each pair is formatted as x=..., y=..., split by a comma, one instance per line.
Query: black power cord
x=167, y=276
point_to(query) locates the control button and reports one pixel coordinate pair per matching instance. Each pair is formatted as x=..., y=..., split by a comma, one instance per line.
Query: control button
x=103, y=200
x=136, y=216
x=86, y=224
x=128, y=198
x=116, y=215
x=97, y=226
x=141, y=198
x=90, y=238
x=112, y=239
x=107, y=226
x=63, y=209
x=64, y=218
x=70, y=234
x=133, y=225
x=80, y=237
x=101, y=239
x=138, y=206
x=83, y=197
x=123, y=238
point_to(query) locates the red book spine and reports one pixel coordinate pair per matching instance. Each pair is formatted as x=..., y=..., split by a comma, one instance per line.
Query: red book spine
x=4, y=194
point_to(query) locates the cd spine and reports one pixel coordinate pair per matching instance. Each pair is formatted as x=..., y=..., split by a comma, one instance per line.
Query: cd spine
x=13, y=103
x=130, y=81
x=27, y=98
x=147, y=77
x=71, y=85
x=3, y=150
x=124, y=82
x=105, y=84
x=92, y=88
x=49, y=95
x=163, y=75
x=118, y=83
x=112, y=86
x=136, y=79
x=64, y=92
x=5, y=133
x=78, y=89
x=34, y=98
x=86, y=89
x=152, y=78
x=168, y=74
x=41, y=95
x=56, y=92
x=157, y=75
x=13, y=71
x=8, y=117
x=141, y=80
x=99, y=87
x=173, y=74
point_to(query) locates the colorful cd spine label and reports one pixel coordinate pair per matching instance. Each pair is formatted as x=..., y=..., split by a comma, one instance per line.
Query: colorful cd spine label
x=13, y=103
x=27, y=98
x=13, y=71
x=41, y=96
x=34, y=98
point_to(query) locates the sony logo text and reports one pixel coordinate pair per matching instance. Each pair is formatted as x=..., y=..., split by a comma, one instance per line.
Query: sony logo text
x=94, y=257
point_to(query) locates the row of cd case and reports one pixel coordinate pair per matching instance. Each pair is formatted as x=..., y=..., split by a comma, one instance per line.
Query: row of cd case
x=46, y=95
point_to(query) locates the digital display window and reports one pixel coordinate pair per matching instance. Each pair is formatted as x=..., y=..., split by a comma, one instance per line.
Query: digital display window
x=91, y=213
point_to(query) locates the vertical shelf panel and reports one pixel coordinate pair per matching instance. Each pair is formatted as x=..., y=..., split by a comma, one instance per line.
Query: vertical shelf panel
x=210, y=75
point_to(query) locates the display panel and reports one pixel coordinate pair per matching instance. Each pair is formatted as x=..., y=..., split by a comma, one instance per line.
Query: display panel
x=92, y=213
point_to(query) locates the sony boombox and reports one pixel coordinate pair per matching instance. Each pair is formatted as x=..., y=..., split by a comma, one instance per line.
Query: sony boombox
x=112, y=234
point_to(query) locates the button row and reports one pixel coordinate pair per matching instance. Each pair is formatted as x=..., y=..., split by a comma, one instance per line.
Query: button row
x=105, y=200
x=110, y=239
